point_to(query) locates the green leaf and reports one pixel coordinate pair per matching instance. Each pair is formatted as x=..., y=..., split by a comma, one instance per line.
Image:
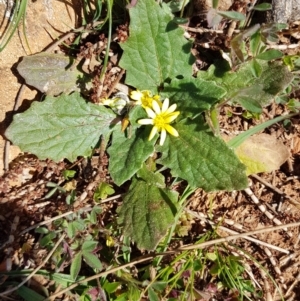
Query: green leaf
x=94, y=213
x=60, y=127
x=47, y=239
x=29, y=295
x=256, y=68
x=193, y=95
x=89, y=246
x=151, y=178
x=152, y=295
x=232, y=15
x=79, y=225
x=136, y=113
x=76, y=265
x=263, y=7
x=155, y=50
x=202, y=159
x=102, y=191
x=128, y=153
x=177, y=5
x=111, y=287
x=71, y=230
x=134, y=293
x=92, y=260
x=68, y=174
x=122, y=297
x=147, y=211
x=41, y=230
x=50, y=73
x=245, y=88
x=159, y=285
x=269, y=55
x=63, y=279
x=255, y=43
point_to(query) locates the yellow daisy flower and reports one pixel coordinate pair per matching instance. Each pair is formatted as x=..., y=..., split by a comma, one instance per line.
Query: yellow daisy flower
x=144, y=98
x=160, y=118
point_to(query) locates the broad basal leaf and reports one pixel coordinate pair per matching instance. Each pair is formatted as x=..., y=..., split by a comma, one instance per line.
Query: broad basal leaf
x=147, y=210
x=50, y=73
x=156, y=49
x=193, y=95
x=202, y=159
x=245, y=88
x=128, y=153
x=60, y=127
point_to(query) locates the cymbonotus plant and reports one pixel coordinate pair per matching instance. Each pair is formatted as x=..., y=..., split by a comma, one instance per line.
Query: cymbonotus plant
x=160, y=125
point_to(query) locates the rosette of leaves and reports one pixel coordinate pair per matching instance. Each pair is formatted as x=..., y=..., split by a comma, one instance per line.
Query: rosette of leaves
x=156, y=58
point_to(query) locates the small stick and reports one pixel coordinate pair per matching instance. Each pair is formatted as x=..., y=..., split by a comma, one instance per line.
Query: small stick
x=202, y=30
x=272, y=260
x=275, y=189
x=115, y=82
x=297, y=279
x=257, y=241
x=264, y=210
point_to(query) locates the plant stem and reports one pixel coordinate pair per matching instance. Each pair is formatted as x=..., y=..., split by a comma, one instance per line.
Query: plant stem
x=109, y=12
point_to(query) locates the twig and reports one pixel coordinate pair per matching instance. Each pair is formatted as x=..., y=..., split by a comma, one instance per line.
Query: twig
x=295, y=203
x=184, y=248
x=257, y=241
x=292, y=285
x=37, y=269
x=263, y=209
x=115, y=82
x=202, y=30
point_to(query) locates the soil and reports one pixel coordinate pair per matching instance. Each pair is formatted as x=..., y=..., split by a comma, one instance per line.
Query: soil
x=23, y=186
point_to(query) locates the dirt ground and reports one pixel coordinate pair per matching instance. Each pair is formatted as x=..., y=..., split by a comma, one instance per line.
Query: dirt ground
x=24, y=186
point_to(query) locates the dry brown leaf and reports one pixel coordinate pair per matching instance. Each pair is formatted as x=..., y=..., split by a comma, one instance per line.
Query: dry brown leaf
x=262, y=153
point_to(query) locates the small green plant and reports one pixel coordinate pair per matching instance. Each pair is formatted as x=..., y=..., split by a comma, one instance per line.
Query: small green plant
x=167, y=125
x=72, y=127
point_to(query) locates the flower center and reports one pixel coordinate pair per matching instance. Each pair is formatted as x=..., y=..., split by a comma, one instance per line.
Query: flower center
x=147, y=101
x=159, y=122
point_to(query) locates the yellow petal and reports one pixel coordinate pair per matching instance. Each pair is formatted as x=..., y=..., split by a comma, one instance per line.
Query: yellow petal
x=158, y=101
x=165, y=105
x=171, y=117
x=145, y=121
x=153, y=132
x=156, y=107
x=171, y=109
x=163, y=136
x=171, y=130
x=150, y=113
x=136, y=95
x=157, y=98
